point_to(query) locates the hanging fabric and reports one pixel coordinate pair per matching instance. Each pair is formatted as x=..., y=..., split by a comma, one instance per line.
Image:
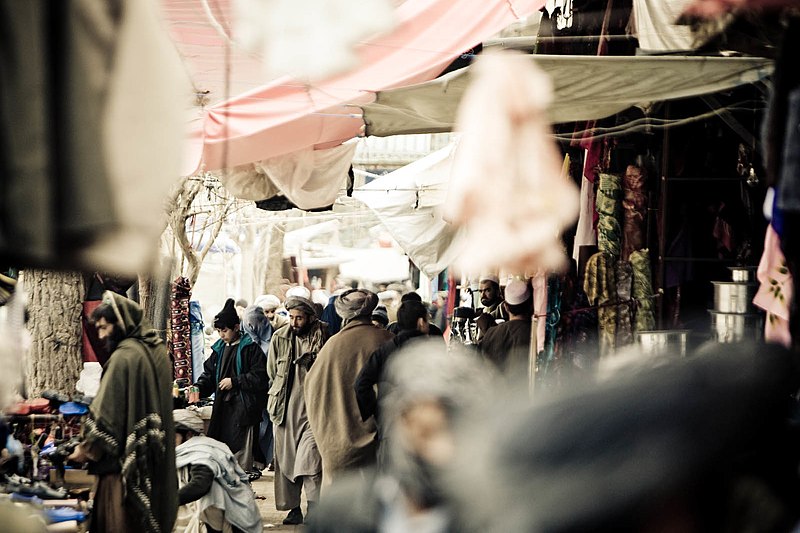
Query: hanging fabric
x=180, y=338
x=197, y=327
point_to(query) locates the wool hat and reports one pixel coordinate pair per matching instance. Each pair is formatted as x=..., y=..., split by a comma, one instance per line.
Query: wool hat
x=355, y=303
x=228, y=317
x=517, y=292
x=303, y=304
x=381, y=315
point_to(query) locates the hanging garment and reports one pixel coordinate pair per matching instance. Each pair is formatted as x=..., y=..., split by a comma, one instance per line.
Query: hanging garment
x=643, y=291
x=775, y=293
x=599, y=284
x=656, y=28
x=624, y=274
x=196, y=326
x=91, y=98
x=510, y=191
x=584, y=234
x=609, y=196
x=180, y=337
x=634, y=210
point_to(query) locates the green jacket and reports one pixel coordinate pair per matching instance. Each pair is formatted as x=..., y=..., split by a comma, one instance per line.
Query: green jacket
x=130, y=427
x=281, y=354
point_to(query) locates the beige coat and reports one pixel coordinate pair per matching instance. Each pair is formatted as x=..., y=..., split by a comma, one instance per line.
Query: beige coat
x=343, y=439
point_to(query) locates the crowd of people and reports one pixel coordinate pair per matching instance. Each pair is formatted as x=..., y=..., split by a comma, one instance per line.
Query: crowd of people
x=384, y=427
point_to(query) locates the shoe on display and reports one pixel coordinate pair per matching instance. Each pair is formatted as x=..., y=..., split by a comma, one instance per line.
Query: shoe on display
x=295, y=517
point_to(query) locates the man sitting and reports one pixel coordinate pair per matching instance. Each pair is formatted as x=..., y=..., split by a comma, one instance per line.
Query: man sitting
x=212, y=487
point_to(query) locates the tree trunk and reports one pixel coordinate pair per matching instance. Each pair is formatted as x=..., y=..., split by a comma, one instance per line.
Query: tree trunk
x=154, y=293
x=274, y=274
x=55, y=305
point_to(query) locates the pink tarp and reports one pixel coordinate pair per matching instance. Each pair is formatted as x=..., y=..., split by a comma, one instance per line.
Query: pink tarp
x=286, y=115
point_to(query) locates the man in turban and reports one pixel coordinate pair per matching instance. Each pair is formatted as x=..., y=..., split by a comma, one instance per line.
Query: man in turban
x=128, y=436
x=345, y=441
x=270, y=304
x=236, y=374
x=297, y=462
x=212, y=487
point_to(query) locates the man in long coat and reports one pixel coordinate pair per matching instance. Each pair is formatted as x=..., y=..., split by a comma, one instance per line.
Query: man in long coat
x=292, y=351
x=129, y=436
x=236, y=373
x=344, y=440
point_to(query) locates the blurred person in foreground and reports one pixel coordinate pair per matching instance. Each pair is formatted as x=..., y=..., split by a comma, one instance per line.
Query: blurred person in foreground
x=431, y=392
x=433, y=329
x=292, y=352
x=212, y=488
x=236, y=374
x=345, y=441
x=695, y=445
x=128, y=437
x=256, y=324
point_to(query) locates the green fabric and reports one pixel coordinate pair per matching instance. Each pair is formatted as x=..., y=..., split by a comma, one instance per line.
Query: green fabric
x=131, y=419
x=609, y=235
x=599, y=284
x=611, y=184
x=606, y=205
x=643, y=291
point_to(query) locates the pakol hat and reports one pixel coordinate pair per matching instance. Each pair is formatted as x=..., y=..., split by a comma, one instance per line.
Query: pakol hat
x=517, y=292
x=489, y=277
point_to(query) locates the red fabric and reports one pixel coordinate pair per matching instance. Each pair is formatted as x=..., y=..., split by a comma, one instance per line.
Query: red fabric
x=91, y=347
x=285, y=115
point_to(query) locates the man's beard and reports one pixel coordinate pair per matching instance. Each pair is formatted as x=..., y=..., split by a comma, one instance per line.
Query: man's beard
x=302, y=331
x=113, y=340
x=487, y=302
x=420, y=481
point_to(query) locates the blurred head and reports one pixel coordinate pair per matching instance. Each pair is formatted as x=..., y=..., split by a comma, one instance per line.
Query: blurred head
x=413, y=315
x=380, y=317
x=432, y=391
x=355, y=303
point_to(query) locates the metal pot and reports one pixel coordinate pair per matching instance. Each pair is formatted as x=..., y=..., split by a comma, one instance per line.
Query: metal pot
x=659, y=342
x=734, y=296
x=742, y=273
x=736, y=327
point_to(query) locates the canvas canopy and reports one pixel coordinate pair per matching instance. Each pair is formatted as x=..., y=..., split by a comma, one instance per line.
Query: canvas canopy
x=585, y=88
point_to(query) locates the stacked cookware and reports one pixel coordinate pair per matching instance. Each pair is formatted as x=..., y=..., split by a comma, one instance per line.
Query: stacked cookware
x=734, y=317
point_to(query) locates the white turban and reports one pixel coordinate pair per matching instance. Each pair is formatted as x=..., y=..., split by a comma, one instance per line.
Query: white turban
x=189, y=420
x=267, y=302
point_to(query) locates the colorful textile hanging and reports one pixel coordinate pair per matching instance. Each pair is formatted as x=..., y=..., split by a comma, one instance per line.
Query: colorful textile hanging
x=634, y=208
x=600, y=287
x=609, y=203
x=180, y=333
x=643, y=291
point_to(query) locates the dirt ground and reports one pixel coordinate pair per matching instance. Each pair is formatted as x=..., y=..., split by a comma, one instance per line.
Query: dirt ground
x=265, y=499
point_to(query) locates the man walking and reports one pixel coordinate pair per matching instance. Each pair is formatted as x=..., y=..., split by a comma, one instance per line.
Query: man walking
x=129, y=437
x=292, y=351
x=344, y=440
x=236, y=373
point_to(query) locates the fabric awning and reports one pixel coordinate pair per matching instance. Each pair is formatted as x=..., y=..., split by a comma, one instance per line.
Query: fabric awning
x=286, y=115
x=586, y=88
x=407, y=202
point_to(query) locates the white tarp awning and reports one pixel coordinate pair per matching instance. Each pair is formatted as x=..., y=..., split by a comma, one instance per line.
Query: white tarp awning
x=407, y=202
x=585, y=88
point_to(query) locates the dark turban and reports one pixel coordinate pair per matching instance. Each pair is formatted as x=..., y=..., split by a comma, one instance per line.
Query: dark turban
x=303, y=304
x=355, y=303
x=228, y=317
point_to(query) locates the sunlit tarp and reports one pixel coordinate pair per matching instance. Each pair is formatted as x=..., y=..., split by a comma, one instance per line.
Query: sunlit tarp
x=586, y=88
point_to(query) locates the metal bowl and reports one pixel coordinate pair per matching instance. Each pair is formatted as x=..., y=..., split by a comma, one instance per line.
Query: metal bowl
x=736, y=327
x=734, y=296
x=671, y=341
